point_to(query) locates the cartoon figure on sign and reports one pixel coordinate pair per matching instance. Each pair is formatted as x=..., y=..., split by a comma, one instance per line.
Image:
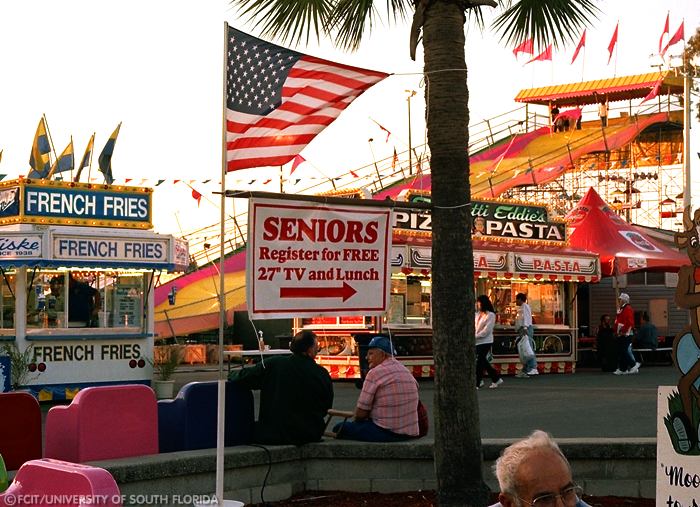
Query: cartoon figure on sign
x=684, y=407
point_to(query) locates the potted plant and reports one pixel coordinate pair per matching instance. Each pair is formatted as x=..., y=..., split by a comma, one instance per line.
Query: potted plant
x=22, y=366
x=164, y=367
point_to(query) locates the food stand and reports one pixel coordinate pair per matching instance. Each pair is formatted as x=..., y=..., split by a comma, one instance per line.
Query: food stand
x=78, y=265
x=517, y=246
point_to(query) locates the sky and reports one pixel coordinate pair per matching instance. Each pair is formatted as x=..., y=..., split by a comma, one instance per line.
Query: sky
x=157, y=67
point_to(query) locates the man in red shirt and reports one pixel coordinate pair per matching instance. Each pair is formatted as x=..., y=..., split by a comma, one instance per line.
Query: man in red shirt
x=386, y=410
x=624, y=329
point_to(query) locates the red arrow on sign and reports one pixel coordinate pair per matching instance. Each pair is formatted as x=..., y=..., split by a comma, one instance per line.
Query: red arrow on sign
x=346, y=292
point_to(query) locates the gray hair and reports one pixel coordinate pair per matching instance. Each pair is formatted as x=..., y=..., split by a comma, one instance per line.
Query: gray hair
x=506, y=467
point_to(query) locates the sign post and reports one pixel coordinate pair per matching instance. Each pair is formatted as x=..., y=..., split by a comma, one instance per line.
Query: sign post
x=314, y=259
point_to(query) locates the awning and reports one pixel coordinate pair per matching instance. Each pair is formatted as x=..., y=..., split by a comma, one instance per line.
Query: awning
x=622, y=247
x=518, y=261
x=591, y=92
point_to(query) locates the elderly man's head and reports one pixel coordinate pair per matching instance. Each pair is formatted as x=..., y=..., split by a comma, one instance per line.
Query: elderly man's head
x=378, y=350
x=533, y=471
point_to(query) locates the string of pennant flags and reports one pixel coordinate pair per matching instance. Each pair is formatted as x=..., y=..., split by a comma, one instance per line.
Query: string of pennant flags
x=528, y=46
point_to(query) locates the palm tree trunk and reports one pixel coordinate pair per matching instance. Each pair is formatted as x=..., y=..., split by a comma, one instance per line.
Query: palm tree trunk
x=458, y=456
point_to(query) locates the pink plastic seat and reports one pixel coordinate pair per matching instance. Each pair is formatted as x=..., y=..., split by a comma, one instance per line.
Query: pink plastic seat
x=20, y=429
x=45, y=482
x=105, y=422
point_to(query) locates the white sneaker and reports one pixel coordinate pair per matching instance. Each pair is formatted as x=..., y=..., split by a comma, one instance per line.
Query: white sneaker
x=533, y=372
x=494, y=385
x=618, y=372
x=637, y=366
x=632, y=371
x=481, y=384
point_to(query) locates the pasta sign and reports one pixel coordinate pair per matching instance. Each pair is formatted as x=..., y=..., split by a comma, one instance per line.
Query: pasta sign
x=308, y=259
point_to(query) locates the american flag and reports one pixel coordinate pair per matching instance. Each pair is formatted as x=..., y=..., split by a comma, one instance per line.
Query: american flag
x=278, y=100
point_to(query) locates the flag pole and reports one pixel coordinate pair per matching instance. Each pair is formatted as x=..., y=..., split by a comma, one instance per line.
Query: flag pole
x=221, y=404
x=583, y=63
x=617, y=45
x=48, y=133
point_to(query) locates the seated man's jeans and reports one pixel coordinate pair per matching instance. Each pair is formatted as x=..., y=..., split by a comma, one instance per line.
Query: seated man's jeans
x=366, y=431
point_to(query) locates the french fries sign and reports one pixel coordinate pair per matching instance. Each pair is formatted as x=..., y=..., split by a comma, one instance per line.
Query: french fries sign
x=308, y=259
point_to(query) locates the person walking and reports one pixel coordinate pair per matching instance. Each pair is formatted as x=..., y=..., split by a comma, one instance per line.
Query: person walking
x=605, y=344
x=484, y=322
x=624, y=327
x=524, y=327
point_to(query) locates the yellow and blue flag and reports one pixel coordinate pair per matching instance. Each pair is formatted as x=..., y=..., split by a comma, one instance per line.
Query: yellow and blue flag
x=39, y=157
x=105, y=158
x=85, y=162
x=65, y=162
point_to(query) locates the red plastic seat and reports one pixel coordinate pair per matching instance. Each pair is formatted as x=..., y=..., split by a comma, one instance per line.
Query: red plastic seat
x=105, y=422
x=45, y=482
x=20, y=429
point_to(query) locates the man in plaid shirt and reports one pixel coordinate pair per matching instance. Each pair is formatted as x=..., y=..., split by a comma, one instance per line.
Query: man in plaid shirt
x=386, y=410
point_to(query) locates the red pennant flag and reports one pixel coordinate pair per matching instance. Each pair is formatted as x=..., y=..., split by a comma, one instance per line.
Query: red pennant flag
x=581, y=44
x=613, y=43
x=665, y=32
x=266, y=182
x=525, y=47
x=354, y=174
x=175, y=182
x=394, y=160
x=297, y=161
x=677, y=37
x=196, y=196
x=384, y=129
x=654, y=91
x=544, y=55
x=127, y=180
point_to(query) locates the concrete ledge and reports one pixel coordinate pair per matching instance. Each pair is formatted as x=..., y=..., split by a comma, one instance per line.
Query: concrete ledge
x=602, y=466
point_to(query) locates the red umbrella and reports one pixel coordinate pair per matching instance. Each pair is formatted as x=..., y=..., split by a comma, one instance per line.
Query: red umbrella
x=622, y=248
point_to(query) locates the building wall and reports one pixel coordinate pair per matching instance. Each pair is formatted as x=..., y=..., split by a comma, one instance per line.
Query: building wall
x=602, y=300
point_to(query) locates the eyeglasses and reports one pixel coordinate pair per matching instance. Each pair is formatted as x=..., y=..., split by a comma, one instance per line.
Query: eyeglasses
x=568, y=496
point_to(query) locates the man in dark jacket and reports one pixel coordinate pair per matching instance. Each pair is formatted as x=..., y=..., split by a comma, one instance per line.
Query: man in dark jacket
x=295, y=394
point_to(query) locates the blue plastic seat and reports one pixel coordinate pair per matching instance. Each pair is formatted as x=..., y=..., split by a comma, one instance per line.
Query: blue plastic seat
x=188, y=422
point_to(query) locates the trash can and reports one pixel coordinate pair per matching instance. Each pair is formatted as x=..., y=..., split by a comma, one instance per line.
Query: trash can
x=5, y=374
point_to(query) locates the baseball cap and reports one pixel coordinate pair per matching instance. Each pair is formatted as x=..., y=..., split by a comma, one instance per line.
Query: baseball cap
x=382, y=343
x=624, y=297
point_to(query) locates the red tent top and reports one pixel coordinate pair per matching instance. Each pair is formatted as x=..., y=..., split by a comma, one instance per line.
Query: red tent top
x=622, y=248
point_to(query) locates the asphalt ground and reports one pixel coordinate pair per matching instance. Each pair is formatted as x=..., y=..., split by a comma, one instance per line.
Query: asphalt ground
x=588, y=403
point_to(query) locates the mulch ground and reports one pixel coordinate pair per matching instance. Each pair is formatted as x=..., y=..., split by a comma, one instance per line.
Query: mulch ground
x=419, y=499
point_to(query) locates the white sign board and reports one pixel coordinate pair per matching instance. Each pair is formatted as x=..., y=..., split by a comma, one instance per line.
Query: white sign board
x=677, y=457
x=311, y=259
x=20, y=246
x=90, y=248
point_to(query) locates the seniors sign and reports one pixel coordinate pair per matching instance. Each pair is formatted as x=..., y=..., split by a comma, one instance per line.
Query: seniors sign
x=308, y=259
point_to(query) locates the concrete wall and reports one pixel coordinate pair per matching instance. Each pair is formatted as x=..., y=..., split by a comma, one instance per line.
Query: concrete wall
x=624, y=467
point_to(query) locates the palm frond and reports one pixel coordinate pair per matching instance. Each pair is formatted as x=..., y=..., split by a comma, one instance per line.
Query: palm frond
x=349, y=21
x=287, y=20
x=546, y=21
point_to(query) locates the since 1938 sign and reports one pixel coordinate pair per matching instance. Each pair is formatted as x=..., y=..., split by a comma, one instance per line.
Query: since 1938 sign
x=309, y=259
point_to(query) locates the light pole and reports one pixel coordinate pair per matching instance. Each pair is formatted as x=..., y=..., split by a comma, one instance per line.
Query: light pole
x=411, y=93
x=687, y=69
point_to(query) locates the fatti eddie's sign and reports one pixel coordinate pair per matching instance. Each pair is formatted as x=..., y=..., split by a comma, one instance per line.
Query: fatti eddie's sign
x=311, y=259
x=55, y=202
x=496, y=219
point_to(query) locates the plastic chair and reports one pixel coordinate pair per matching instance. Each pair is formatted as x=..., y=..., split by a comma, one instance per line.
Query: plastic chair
x=51, y=482
x=189, y=421
x=20, y=429
x=105, y=422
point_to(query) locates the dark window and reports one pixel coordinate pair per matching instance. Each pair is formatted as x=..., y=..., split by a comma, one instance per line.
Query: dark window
x=656, y=278
x=636, y=278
